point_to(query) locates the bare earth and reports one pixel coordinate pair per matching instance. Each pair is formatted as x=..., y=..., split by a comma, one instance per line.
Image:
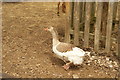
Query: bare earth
x=27, y=51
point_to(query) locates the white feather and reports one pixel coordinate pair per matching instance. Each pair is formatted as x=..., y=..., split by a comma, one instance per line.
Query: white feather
x=75, y=56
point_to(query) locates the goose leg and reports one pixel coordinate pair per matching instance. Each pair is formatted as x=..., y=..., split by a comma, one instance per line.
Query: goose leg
x=67, y=66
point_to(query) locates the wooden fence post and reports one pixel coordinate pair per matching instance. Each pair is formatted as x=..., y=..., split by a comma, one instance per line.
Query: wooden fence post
x=96, y=6
x=76, y=22
x=87, y=24
x=116, y=28
x=109, y=27
x=119, y=45
x=98, y=25
x=119, y=40
x=68, y=21
x=119, y=31
x=0, y=38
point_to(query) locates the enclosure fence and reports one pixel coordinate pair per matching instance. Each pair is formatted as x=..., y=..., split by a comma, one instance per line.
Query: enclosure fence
x=98, y=20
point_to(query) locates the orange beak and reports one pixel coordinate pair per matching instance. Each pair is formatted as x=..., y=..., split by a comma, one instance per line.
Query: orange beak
x=46, y=29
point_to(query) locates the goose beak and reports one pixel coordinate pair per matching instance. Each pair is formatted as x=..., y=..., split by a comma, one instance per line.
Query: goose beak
x=46, y=29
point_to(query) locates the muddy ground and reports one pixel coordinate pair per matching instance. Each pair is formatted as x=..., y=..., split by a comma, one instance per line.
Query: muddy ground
x=27, y=49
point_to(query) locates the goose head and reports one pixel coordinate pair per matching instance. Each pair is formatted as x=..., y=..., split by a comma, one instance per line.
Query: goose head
x=49, y=29
x=52, y=30
x=54, y=34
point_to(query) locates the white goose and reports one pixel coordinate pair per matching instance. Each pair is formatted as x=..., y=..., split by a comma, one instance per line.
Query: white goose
x=65, y=51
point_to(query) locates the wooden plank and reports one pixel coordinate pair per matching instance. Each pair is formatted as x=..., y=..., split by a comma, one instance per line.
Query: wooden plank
x=87, y=24
x=68, y=21
x=96, y=5
x=119, y=31
x=76, y=22
x=116, y=28
x=98, y=25
x=109, y=27
x=118, y=49
x=0, y=37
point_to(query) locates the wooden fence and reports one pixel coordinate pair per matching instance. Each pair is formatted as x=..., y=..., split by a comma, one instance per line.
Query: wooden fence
x=104, y=16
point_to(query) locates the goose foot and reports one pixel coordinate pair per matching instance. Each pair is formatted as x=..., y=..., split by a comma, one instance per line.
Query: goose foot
x=67, y=66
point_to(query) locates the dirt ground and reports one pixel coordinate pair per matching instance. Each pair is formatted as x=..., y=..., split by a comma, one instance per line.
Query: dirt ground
x=27, y=51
